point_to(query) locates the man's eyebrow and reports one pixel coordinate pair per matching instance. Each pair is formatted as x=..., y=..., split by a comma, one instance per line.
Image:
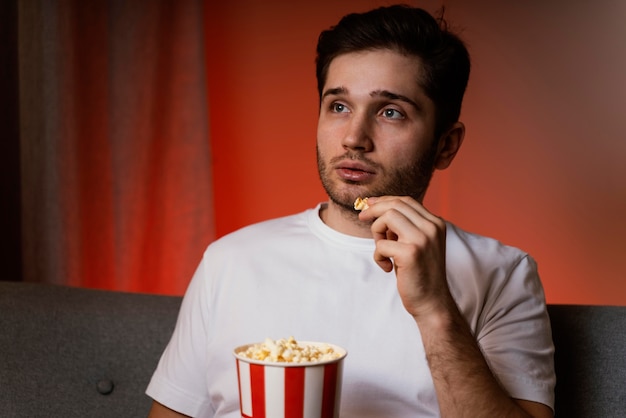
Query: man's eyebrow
x=334, y=92
x=395, y=96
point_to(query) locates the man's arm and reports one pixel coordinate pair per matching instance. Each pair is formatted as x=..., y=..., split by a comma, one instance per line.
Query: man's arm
x=161, y=411
x=411, y=241
x=464, y=383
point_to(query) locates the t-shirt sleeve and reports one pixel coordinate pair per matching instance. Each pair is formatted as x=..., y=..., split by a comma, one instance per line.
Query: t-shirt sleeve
x=516, y=337
x=179, y=381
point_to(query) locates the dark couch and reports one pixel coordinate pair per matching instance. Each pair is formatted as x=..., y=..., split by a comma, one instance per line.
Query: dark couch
x=70, y=352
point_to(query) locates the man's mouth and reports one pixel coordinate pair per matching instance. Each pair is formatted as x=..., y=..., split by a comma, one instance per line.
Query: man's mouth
x=355, y=171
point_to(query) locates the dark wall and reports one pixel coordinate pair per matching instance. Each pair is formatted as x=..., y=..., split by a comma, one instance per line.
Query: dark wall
x=10, y=200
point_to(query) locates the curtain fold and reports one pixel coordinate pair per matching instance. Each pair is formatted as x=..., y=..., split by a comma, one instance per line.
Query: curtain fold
x=115, y=153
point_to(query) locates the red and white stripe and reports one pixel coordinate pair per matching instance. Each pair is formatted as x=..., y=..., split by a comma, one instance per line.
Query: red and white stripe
x=267, y=391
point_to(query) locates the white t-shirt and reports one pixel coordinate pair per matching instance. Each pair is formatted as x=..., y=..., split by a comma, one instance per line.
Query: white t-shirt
x=295, y=276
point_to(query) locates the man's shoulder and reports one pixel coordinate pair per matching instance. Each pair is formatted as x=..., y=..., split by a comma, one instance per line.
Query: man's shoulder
x=498, y=272
x=460, y=241
x=267, y=229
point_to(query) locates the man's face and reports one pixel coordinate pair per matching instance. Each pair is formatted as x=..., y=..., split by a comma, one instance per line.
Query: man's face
x=375, y=133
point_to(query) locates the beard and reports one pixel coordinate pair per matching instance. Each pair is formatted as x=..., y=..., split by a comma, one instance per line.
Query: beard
x=408, y=180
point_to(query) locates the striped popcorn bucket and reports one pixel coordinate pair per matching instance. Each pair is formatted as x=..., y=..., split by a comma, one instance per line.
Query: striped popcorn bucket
x=288, y=390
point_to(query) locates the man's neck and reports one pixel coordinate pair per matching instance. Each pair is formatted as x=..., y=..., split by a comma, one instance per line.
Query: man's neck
x=344, y=221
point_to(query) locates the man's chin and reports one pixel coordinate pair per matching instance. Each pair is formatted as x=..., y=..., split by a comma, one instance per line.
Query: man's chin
x=345, y=203
x=343, y=195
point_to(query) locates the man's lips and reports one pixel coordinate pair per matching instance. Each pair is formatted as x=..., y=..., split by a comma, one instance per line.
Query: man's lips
x=354, y=171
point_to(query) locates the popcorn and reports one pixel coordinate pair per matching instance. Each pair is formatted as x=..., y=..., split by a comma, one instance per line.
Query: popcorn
x=289, y=351
x=360, y=203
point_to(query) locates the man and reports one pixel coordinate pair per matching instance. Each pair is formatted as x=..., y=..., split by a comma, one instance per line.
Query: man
x=436, y=321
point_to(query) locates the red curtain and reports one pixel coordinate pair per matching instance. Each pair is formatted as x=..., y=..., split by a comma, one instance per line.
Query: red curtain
x=115, y=154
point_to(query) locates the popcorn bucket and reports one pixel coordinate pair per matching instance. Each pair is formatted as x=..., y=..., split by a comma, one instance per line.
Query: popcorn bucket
x=289, y=390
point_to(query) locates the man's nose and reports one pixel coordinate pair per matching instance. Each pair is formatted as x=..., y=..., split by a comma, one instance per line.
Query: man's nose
x=358, y=135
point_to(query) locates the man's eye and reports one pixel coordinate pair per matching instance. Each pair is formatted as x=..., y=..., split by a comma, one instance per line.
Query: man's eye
x=338, y=108
x=392, y=114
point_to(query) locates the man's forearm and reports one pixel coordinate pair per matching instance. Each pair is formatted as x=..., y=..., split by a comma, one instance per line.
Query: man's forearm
x=465, y=385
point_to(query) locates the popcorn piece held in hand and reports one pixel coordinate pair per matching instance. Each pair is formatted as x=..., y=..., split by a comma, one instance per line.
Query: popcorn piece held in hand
x=289, y=351
x=361, y=203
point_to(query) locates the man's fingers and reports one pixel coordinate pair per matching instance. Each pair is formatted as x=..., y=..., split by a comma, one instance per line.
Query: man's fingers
x=385, y=263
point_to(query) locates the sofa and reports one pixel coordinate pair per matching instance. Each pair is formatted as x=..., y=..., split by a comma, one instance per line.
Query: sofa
x=74, y=352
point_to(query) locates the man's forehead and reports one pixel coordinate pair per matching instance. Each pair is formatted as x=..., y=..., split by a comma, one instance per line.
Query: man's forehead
x=374, y=71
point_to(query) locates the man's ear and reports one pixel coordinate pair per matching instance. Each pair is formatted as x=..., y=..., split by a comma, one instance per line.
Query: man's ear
x=449, y=145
